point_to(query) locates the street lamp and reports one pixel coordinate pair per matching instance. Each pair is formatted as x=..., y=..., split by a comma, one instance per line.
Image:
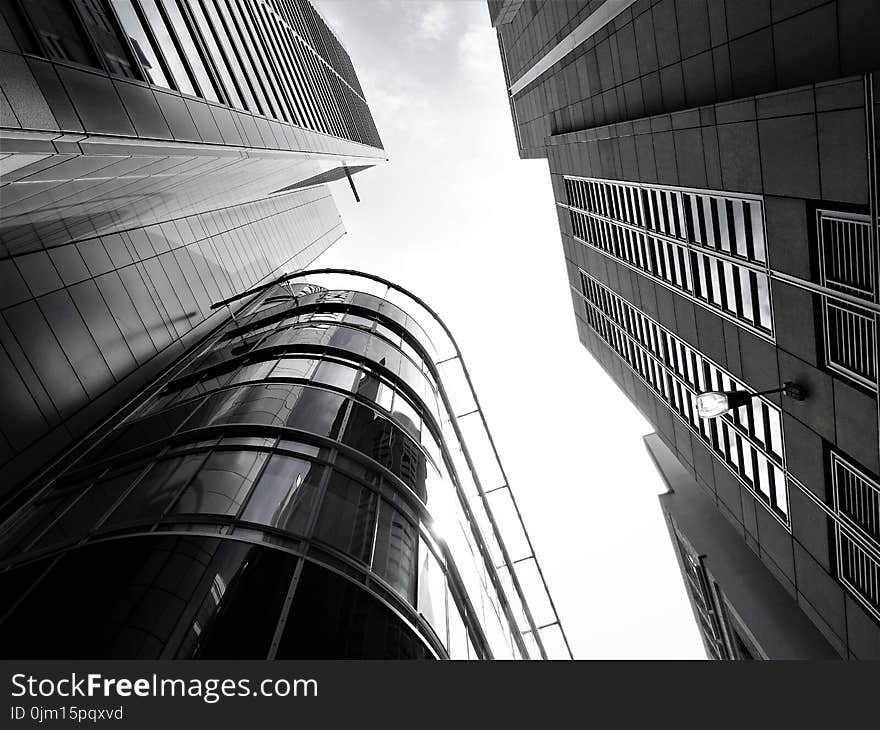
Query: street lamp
x=716, y=403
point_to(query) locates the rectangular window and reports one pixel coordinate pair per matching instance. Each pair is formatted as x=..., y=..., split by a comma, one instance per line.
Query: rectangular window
x=190, y=51
x=140, y=41
x=60, y=31
x=164, y=38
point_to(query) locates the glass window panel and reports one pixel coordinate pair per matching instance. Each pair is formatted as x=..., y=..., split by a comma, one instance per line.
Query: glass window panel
x=780, y=489
x=169, y=49
x=353, y=341
x=730, y=288
x=256, y=45
x=35, y=517
x=371, y=387
x=774, y=418
x=758, y=419
x=763, y=475
x=407, y=416
x=394, y=556
x=298, y=367
x=348, y=517
x=723, y=230
x=256, y=371
x=432, y=591
x=89, y=509
x=318, y=411
x=384, y=354
x=336, y=374
x=739, y=222
x=191, y=52
x=745, y=290
x=248, y=79
x=333, y=618
x=148, y=500
x=285, y=494
x=359, y=321
x=214, y=52
x=141, y=43
x=102, y=28
x=757, y=220
x=222, y=484
x=60, y=31
x=765, y=315
x=268, y=404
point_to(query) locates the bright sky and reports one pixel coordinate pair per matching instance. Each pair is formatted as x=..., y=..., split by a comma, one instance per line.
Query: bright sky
x=460, y=220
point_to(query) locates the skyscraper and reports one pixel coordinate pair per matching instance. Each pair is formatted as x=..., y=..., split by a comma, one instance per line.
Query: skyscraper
x=314, y=480
x=200, y=457
x=157, y=156
x=714, y=170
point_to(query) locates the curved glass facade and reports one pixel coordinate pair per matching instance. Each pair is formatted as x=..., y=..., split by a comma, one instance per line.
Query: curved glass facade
x=301, y=488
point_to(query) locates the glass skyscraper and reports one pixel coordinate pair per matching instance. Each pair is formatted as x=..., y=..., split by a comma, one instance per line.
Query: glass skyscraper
x=156, y=156
x=199, y=457
x=314, y=481
x=714, y=169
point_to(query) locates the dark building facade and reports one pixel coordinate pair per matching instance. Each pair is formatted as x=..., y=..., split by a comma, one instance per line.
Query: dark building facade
x=155, y=156
x=714, y=170
x=314, y=480
x=741, y=610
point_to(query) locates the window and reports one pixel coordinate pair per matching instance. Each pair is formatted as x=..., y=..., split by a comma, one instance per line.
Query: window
x=160, y=485
x=207, y=37
x=658, y=243
x=190, y=51
x=102, y=29
x=222, y=484
x=169, y=48
x=60, y=31
x=394, y=556
x=348, y=516
x=332, y=618
x=285, y=494
x=141, y=42
x=676, y=373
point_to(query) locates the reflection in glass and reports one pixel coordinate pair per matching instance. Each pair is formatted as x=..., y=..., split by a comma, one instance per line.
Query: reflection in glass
x=332, y=618
x=149, y=499
x=163, y=37
x=222, y=484
x=284, y=497
x=347, y=518
x=394, y=557
x=59, y=30
x=143, y=46
x=192, y=54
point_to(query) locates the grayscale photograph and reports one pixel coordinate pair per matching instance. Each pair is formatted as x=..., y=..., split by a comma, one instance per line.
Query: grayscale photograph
x=450, y=329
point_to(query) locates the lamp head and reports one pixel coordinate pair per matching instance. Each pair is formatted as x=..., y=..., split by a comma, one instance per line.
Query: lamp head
x=718, y=402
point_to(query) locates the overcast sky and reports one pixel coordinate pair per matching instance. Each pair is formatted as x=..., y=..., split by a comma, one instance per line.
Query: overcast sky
x=459, y=219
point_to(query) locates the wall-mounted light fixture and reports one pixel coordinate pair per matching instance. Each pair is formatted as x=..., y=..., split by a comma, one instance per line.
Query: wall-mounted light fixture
x=718, y=402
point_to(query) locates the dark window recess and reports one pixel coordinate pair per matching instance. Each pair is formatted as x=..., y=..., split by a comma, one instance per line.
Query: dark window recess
x=348, y=517
x=102, y=28
x=331, y=618
x=18, y=24
x=395, y=554
x=124, y=599
x=240, y=610
x=60, y=31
